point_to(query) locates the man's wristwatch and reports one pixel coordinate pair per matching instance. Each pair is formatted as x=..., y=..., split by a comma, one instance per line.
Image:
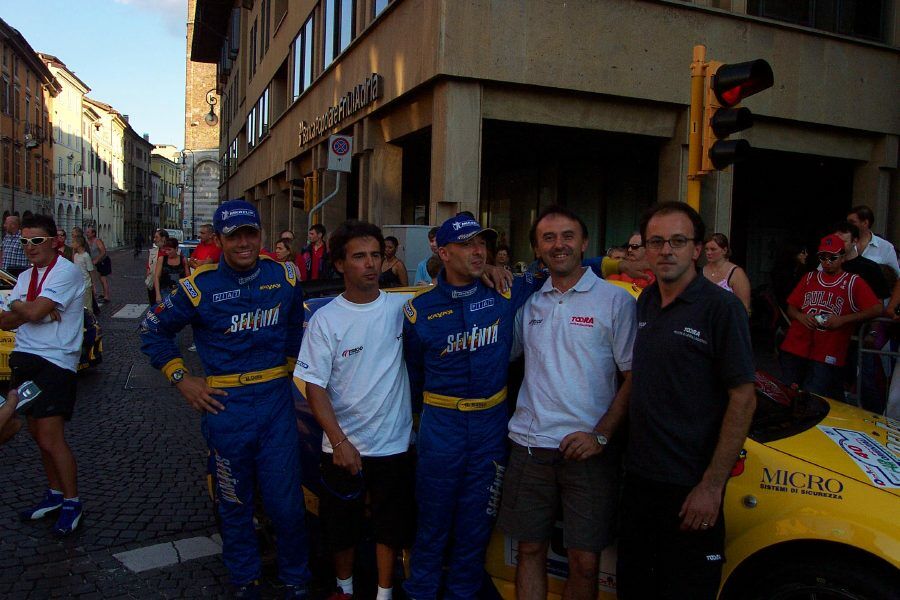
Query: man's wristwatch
x=177, y=376
x=602, y=440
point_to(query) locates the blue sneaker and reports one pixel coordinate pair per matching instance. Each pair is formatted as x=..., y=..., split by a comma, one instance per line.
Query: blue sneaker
x=69, y=517
x=247, y=591
x=50, y=503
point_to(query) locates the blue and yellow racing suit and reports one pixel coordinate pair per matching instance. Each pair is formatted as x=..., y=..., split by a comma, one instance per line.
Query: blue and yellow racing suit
x=457, y=342
x=247, y=329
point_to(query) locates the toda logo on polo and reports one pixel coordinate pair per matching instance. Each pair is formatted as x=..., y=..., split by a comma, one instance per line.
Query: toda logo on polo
x=473, y=339
x=253, y=321
x=582, y=321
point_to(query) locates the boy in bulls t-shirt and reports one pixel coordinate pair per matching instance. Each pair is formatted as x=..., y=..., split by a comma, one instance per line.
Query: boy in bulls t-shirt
x=824, y=308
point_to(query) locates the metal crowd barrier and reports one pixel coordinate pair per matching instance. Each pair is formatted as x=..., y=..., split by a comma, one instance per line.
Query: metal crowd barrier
x=864, y=329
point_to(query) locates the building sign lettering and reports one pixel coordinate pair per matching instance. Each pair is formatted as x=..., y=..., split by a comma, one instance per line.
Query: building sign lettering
x=350, y=103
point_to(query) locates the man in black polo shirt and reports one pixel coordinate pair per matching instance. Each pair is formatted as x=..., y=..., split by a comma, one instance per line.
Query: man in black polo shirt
x=691, y=405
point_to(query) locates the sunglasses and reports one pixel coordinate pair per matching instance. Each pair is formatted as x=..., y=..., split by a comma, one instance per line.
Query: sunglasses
x=634, y=246
x=828, y=256
x=34, y=241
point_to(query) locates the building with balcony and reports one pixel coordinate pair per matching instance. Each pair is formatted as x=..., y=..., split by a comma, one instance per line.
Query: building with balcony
x=139, y=216
x=27, y=88
x=106, y=171
x=164, y=164
x=68, y=144
x=502, y=108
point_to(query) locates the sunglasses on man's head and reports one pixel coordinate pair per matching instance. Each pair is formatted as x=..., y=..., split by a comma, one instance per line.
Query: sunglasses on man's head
x=828, y=256
x=34, y=241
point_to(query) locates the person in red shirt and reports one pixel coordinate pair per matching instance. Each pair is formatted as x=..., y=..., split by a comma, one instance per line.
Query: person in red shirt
x=825, y=308
x=207, y=251
x=313, y=260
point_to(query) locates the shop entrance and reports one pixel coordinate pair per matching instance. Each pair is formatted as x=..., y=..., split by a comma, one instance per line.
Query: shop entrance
x=780, y=198
x=607, y=179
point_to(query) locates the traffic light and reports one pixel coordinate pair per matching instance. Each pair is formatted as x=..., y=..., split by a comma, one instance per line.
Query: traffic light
x=725, y=87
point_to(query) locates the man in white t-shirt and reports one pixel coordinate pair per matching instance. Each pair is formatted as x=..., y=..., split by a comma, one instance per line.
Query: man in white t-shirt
x=577, y=333
x=47, y=312
x=357, y=385
x=870, y=245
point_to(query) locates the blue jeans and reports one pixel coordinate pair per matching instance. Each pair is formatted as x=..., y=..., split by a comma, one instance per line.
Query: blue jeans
x=813, y=376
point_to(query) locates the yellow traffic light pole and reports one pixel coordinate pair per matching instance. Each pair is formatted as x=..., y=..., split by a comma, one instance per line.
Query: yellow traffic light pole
x=698, y=74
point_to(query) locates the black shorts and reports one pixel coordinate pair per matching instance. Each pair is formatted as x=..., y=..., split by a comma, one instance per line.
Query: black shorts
x=57, y=385
x=104, y=267
x=388, y=483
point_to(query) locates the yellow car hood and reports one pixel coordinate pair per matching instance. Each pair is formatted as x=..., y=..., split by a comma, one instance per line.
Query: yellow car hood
x=853, y=443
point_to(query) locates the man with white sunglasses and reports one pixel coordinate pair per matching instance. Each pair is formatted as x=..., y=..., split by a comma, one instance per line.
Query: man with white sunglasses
x=46, y=310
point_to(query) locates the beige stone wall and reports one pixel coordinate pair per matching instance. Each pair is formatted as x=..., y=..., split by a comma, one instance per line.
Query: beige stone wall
x=608, y=65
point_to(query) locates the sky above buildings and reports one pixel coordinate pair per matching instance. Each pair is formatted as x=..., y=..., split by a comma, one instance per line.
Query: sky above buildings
x=131, y=53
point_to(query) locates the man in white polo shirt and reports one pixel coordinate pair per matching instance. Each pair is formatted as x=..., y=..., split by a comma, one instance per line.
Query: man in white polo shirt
x=577, y=333
x=46, y=309
x=358, y=389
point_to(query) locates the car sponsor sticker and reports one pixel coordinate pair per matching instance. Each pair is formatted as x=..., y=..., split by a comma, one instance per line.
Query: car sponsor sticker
x=881, y=466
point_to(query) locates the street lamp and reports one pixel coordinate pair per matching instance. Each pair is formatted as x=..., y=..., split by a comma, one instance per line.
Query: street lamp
x=193, y=181
x=211, y=118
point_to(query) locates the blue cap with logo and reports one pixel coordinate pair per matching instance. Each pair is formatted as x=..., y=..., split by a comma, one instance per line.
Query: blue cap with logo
x=461, y=228
x=234, y=214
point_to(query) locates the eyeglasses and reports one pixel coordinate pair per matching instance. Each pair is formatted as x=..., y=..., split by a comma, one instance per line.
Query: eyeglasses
x=675, y=242
x=34, y=241
x=828, y=256
x=635, y=246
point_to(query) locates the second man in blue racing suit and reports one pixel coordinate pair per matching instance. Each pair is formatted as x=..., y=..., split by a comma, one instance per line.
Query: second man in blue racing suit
x=457, y=338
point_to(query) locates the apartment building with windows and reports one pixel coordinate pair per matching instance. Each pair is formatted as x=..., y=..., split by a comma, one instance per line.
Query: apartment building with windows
x=138, y=208
x=27, y=89
x=68, y=144
x=502, y=108
x=164, y=163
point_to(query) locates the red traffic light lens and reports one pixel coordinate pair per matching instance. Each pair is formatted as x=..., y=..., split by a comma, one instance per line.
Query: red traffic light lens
x=733, y=83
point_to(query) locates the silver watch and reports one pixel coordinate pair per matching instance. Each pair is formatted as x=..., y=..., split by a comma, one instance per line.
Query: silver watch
x=602, y=440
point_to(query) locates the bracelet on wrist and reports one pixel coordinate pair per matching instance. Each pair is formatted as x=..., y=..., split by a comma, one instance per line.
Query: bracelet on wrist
x=335, y=447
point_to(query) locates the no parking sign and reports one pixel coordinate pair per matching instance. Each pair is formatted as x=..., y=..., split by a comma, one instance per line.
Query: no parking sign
x=340, y=152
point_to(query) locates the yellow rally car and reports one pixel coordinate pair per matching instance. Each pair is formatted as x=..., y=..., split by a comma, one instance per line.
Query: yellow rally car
x=812, y=508
x=91, y=348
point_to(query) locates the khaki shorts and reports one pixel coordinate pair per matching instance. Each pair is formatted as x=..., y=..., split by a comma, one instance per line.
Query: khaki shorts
x=541, y=488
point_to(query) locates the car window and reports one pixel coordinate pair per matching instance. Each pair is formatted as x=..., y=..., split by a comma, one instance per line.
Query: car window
x=782, y=412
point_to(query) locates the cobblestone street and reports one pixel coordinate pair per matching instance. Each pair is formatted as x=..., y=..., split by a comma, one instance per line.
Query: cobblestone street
x=141, y=462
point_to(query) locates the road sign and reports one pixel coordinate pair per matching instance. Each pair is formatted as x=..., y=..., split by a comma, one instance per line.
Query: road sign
x=185, y=222
x=340, y=153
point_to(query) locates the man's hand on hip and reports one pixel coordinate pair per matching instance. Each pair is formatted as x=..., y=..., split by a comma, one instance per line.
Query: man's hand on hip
x=199, y=395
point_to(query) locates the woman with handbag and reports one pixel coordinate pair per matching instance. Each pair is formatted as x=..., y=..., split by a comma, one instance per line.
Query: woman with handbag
x=101, y=260
x=169, y=269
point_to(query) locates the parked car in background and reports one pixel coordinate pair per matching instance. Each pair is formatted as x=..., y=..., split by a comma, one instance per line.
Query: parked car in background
x=178, y=234
x=187, y=247
x=91, y=348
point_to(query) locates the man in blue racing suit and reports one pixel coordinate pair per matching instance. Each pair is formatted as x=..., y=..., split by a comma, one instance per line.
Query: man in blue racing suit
x=247, y=315
x=457, y=338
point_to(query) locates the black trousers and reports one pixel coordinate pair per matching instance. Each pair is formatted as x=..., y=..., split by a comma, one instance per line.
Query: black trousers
x=655, y=558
